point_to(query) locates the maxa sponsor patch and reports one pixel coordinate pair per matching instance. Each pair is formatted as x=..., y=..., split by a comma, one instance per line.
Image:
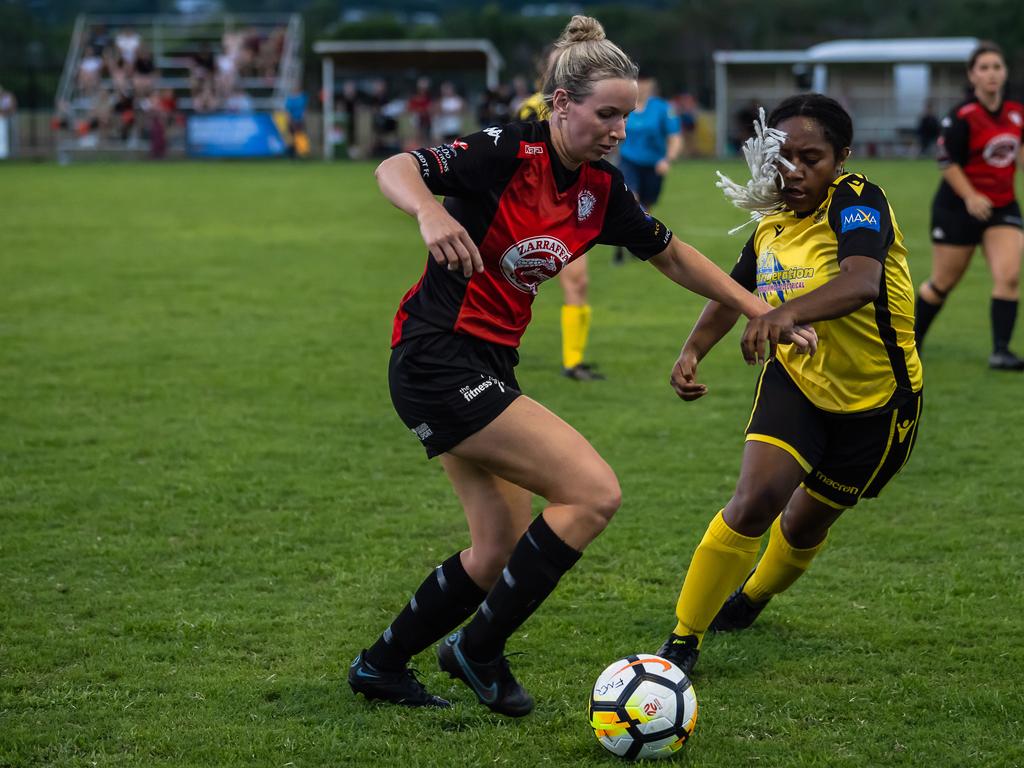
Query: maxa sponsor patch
x=860, y=217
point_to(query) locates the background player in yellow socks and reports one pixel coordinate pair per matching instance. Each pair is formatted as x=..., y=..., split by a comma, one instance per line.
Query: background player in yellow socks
x=828, y=429
x=573, y=278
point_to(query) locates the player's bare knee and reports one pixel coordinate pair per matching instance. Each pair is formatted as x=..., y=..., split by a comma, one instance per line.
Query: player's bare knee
x=606, y=500
x=485, y=563
x=596, y=499
x=752, y=510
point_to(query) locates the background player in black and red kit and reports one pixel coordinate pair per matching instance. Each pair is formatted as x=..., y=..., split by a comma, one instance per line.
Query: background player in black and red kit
x=521, y=201
x=978, y=152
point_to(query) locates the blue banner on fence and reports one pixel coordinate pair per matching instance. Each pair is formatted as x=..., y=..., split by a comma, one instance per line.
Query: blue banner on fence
x=249, y=135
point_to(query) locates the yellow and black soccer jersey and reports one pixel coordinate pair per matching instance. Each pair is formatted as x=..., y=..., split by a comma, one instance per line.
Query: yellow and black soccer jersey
x=534, y=108
x=867, y=360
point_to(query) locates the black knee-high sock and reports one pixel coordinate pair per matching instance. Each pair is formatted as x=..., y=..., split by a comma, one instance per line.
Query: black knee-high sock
x=924, y=313
x=445, y=599
x=1004, y=316
x=537, y=563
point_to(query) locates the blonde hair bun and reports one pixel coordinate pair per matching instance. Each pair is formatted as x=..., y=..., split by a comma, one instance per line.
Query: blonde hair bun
x=581, y=29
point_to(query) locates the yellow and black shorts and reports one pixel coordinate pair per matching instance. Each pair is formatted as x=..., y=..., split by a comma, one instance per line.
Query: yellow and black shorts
x=847, y=456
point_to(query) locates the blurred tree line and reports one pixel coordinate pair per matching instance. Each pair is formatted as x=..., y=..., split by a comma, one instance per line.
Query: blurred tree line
x=672, y=38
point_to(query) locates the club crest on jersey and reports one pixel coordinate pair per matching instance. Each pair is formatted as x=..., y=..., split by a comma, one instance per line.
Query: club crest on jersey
x=530, y=262
x=1016, y=118
x=1001, y=150
x=585, y=204
x=860, y=217
x=459, y=144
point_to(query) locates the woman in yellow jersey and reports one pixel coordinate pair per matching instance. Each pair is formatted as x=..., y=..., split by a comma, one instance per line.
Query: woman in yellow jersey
x=828, y=429
x=574, y=278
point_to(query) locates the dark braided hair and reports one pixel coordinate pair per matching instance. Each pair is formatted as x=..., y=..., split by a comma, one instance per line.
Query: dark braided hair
x=835, y=121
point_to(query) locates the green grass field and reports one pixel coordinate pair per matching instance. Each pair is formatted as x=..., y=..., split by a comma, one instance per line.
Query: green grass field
x=208, y=505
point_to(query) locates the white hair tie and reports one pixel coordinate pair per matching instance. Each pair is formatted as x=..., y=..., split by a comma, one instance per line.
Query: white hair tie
x=762, y=194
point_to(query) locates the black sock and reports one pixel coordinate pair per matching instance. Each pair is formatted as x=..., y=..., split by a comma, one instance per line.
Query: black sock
x=924, y=313
x=445, y=599
x=1004, y=316
x=537, y=563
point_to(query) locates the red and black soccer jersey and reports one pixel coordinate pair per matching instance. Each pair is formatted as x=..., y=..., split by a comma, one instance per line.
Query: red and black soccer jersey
x=529, y=216
x=985, y=144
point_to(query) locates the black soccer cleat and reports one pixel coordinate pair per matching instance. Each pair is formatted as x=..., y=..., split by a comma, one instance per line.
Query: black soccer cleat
x=492, y=682
x=583, y=372
x=1005, y=360
x=400, y=687
x=738, y=612
x=681, y=650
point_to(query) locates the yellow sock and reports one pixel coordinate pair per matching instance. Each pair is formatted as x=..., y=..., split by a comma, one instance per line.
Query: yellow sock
x=575, y=329
x=720, y=562
x=780, y=565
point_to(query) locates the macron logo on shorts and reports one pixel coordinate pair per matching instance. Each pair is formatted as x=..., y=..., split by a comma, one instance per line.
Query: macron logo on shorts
x=860, y=217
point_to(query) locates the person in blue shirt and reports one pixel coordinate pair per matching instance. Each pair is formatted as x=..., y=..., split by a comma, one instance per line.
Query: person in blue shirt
x=654, y=141
x=295, y=107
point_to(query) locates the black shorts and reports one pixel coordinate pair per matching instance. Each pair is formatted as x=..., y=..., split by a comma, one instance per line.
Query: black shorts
x=847, y=456
x=643, y=181
x=953, y=225
x=447, y=386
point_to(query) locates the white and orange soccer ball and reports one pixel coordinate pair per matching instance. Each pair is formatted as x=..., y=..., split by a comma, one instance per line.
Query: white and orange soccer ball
x=643, y=707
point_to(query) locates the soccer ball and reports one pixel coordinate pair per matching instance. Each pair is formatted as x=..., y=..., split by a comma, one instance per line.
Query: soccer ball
x=643, y=707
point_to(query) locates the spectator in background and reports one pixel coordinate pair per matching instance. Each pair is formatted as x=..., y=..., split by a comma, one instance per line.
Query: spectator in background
x=8, y=106
x=653, y=142
x=743, y=129
x=127, y=42
x=145, y=72
x=295, y=106
x=120, y=70
x=201, y=69
x=90, y=70
x=688, y=110
x=226, y=75
x=493, y=108
x=421, y=106
x=99, y=38
x=928, y=130
x=384, y=120
x=448, y=124
x=520, y=93
x=271, y=51
x=233, y=44
x=346, y=105
x=248, y=63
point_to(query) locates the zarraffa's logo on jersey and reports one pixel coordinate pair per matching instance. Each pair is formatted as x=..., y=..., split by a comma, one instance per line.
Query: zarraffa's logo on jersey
x=1001, y=150
x=530, y=262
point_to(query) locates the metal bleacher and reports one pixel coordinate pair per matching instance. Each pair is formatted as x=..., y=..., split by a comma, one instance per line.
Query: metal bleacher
x=174, y=41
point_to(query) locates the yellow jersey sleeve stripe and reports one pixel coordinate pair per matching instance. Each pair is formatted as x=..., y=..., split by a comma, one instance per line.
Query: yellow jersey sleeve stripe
x=784, y=446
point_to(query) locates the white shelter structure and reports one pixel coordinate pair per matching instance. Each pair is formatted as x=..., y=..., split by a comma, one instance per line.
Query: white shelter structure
x=885, y=84
x=379, y=57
